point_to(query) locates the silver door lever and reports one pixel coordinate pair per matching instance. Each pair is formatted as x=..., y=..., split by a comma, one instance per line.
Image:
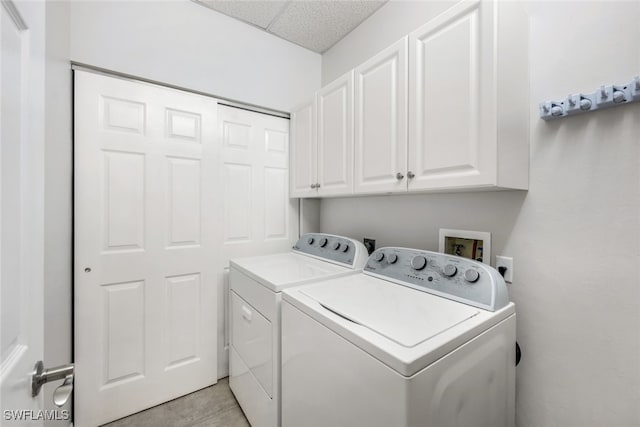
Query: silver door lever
x=42, y=376
x=62, y=394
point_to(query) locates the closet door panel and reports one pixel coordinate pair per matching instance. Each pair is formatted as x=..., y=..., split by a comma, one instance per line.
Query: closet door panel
x=146, y=245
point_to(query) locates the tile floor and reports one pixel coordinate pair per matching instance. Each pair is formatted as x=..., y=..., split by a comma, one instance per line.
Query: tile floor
x=213, y=406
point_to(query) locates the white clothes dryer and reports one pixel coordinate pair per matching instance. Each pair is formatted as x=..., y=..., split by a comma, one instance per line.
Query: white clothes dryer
x=417, y=339
x=255, y=295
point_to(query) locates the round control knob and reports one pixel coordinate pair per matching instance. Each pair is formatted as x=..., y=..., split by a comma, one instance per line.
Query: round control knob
x=418, y=262
x=450, y=270
x=392, y=258
x=336, y=246
x=310, y=240
x=323, y=242
x=378, y=256
x=345, y=248
x=471, y=276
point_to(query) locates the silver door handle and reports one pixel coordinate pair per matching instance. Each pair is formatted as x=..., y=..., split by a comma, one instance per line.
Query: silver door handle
x=411, y=175
x=399, y=176
x=42, y=376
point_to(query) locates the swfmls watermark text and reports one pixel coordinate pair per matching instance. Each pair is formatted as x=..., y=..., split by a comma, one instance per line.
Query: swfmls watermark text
x=36, y=415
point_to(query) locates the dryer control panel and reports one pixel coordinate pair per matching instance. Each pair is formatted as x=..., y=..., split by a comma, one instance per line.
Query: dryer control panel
x=448, y=276
x=337, y=249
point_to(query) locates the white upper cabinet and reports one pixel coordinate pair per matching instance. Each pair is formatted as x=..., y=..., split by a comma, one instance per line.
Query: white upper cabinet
x=335, y=137
x=444, y=109
x=303, y=169
x=381, y=122
x=468, y=102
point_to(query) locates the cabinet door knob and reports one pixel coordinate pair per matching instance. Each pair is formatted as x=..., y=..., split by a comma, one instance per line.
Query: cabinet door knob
x=313, y=186
x=411, y=175
x=399, y=176
x=318, y=185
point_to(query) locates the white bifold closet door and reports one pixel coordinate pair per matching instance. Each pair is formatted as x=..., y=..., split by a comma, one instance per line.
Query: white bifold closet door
x=147, y=245
x=258, y=216
x=168, y=187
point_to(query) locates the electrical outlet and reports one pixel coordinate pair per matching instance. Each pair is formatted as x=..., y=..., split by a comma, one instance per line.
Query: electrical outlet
x=370, y=244
x=507, y=262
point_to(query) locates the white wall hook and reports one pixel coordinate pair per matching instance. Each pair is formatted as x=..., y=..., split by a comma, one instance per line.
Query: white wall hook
x=556, y=111
x=618, y=96
x=606, y=96
x=577, y=104
x=585, y=104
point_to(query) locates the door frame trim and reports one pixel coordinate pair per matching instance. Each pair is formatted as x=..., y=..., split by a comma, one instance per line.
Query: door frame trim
x=222, y=100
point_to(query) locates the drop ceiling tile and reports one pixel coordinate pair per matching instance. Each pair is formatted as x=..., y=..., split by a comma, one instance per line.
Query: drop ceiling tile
x=318, y=25
x=259, y=13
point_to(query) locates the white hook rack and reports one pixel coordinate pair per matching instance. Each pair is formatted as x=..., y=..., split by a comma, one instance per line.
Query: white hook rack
x=605, y=97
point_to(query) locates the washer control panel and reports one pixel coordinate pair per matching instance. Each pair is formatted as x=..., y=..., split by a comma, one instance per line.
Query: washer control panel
x=460, y=279
x=337, y=249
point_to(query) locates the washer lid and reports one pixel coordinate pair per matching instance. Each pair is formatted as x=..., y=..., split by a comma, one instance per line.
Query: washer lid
x=280, y=271
x=400, y=314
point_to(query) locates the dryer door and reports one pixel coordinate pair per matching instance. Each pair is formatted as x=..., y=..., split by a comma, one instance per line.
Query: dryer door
x=251, y=337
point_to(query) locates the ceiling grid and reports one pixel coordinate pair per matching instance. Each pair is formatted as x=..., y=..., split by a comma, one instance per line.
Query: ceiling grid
x=313, y=24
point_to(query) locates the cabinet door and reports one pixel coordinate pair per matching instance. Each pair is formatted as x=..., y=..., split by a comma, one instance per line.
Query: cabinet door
x=381, y=122
x=303, y=150
x=452, y=118
x=335, y=137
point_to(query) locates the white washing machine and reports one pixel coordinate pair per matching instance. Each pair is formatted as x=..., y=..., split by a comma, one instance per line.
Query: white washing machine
x=417, y=339
x=256, y=284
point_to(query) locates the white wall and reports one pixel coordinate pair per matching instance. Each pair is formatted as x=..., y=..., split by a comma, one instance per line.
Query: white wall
x=387, y=25
x=58, y=190
x=574, y=236
x=188, y=45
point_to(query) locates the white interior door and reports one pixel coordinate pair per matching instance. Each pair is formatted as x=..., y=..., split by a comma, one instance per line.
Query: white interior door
x=146, y=252
x=258, y=216
x=381, y=121
x=21, y=206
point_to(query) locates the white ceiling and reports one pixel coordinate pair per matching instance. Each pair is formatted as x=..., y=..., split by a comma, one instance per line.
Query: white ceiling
x=314, y=24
